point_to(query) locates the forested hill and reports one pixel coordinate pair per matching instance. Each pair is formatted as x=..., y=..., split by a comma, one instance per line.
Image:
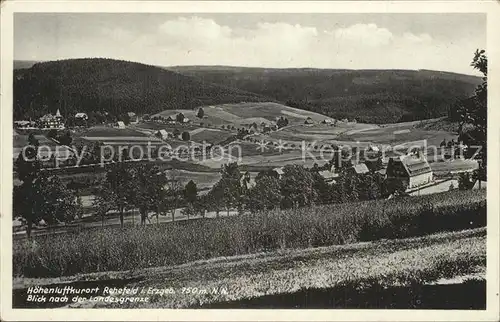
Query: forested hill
x=114, y=86
x=373, y=96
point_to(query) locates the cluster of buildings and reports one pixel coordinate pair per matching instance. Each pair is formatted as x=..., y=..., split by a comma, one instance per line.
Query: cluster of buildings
x=49, y=121
x=329, y=121
x=411, y=170
x=170, y=120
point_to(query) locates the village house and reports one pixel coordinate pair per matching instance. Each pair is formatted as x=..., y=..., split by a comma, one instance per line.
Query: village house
x=186, y=120
x=120, y=125
x=412, y=170
x=49, y=121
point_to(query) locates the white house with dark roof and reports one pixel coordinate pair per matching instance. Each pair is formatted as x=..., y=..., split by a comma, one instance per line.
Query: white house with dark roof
x=162, y=134
x=413, y=170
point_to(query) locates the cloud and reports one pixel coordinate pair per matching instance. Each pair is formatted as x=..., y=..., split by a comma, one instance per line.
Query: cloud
x=193, y=31
x=422, y=38
x=193, y=40
x=364, y=34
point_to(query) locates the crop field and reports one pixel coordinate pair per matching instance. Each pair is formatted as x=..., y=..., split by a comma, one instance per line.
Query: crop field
x=350, y=269
x=172, y=244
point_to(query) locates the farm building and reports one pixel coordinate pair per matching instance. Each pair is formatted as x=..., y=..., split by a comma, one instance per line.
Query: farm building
x=412, y=170
x=186, y=120
x=120, y=125
x=162, y=134
x=309, y=121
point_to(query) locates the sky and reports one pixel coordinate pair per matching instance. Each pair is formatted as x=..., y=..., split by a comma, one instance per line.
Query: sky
x=348, y=41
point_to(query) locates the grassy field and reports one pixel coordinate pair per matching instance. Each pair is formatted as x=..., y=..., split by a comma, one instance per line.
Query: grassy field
x=171, y=244
x=353, y=268
x=402, y=132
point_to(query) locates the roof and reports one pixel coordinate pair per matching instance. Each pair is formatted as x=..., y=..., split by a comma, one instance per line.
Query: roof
x=279, y=171
x=361, y=168
x=163, y=132
x=131, y=114
x=58, y=114
x=120, y=123
x=81, y=114
x=185, y=120
x=413, y=165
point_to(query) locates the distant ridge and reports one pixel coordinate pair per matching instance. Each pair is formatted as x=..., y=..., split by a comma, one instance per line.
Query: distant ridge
x=20, y=64
x=114, y=86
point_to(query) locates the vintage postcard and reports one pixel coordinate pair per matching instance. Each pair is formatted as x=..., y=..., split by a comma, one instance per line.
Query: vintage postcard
x=250, y=160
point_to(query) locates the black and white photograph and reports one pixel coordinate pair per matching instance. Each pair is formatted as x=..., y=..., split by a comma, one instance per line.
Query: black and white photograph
x=249, y=160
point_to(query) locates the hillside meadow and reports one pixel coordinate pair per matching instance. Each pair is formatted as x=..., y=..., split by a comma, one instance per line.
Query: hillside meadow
x=100, y=250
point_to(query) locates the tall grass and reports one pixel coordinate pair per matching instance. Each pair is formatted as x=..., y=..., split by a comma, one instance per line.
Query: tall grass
x=169, y=244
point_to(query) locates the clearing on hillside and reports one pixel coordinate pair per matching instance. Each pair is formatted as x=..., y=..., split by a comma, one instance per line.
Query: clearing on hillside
x=240, y=114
